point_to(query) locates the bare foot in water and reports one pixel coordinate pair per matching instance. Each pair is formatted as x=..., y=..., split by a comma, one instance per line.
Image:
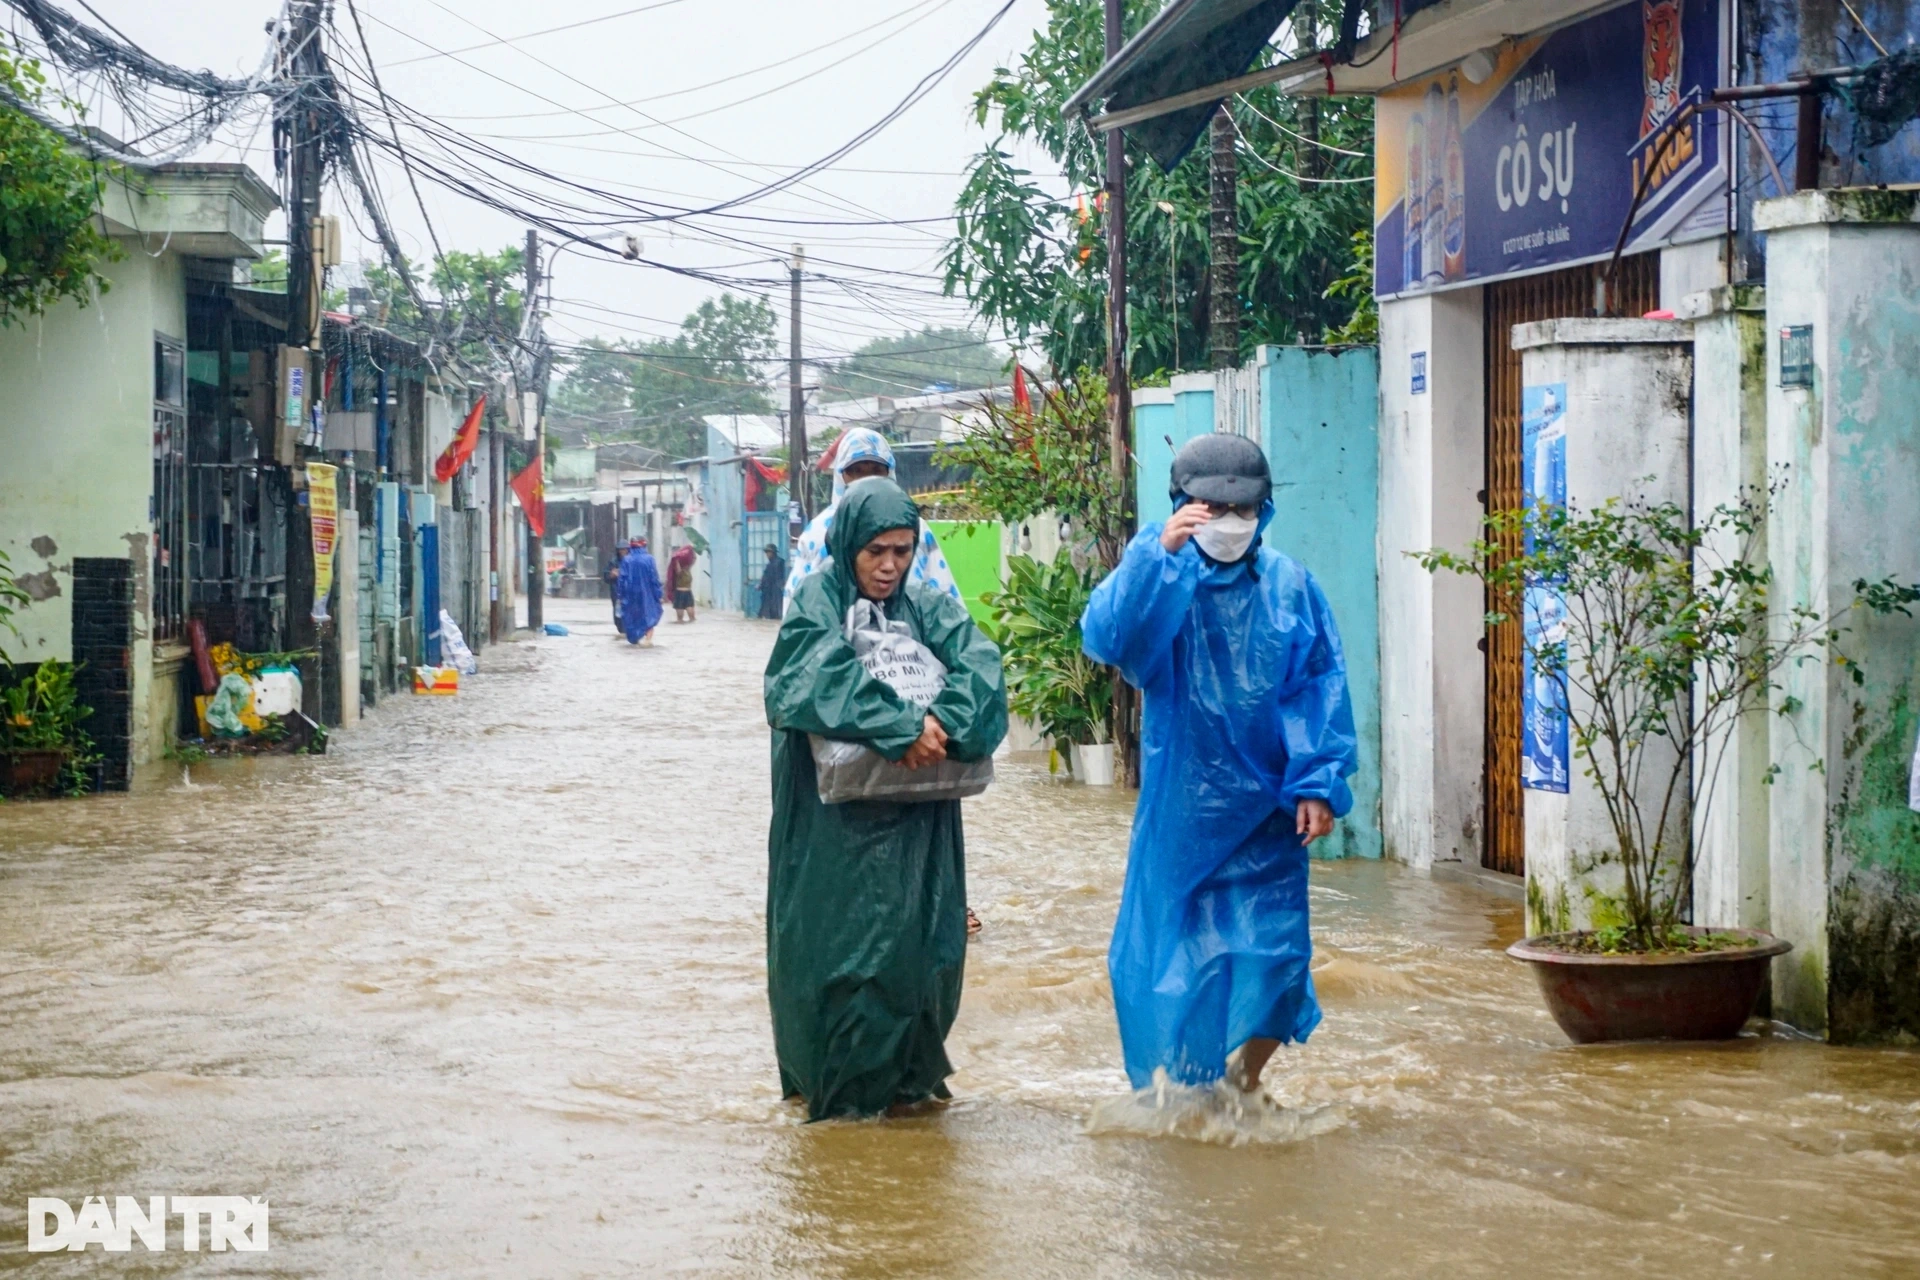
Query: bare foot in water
x=973, y=923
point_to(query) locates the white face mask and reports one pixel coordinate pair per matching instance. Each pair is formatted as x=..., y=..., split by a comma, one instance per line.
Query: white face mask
x=1226, y=538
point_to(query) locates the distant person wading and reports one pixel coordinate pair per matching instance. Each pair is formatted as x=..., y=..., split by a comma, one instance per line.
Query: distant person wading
x=680, y=583
x=639, y=594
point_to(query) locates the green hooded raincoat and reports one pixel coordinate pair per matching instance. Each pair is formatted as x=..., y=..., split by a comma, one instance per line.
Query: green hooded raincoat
x=866, y=901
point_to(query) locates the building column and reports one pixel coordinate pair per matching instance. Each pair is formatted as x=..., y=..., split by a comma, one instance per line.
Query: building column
x=1843, y=309
x=1432, y=441
x=1622, y=387
x=1730, y=465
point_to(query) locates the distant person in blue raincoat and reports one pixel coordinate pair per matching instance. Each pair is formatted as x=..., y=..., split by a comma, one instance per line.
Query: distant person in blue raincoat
x=1247, y=740
x=641, y=599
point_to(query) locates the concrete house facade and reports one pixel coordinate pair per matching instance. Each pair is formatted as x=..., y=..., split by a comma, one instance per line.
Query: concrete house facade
x=1569, y=231
x=93, y=409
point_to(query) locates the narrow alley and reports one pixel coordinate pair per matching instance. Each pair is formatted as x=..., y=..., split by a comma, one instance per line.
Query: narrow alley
x=519, y=1013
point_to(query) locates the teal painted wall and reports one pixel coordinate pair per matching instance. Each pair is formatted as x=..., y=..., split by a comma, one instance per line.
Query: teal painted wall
x=1320, y=431
x=726, y=514
x=1154, y=424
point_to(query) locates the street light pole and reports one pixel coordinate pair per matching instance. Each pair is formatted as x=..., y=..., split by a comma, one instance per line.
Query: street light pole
x=797, y=402
x=536, y=552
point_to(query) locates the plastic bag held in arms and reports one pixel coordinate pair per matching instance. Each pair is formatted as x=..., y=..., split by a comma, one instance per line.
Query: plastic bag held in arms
x=851, y=771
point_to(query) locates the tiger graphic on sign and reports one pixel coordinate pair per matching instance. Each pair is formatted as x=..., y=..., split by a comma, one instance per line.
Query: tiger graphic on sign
x=1661, y=58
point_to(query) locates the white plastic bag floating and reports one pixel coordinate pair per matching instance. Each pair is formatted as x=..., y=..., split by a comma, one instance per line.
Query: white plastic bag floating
x=453, y=647
x=852, y=771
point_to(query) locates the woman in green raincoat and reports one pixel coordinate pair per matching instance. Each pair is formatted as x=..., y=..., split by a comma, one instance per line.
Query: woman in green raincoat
x=866, y=900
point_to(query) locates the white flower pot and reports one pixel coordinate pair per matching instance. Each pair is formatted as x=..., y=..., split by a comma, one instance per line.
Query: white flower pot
x=1093, y=765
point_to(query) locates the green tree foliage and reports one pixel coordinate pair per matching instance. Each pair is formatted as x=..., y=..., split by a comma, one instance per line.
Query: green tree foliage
x=903, y=366
x=475, y=303
x=598, y=387
x=1050, y=679
x=659, y=392
x=13, y=598
x=1055, y=456
x=50, y=247
x=1038, y=268
x=269, y=275
x=1363, y=327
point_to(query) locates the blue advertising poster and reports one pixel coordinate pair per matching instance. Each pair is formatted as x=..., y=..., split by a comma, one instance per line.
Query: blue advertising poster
x=1544, y=755
x=1536, y=165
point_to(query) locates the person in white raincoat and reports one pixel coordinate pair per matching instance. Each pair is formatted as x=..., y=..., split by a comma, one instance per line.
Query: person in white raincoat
x=858, y=454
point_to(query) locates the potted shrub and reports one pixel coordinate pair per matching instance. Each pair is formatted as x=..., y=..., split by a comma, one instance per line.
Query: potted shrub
x=1050, y=680
x=1651, y=635
x=42, y=746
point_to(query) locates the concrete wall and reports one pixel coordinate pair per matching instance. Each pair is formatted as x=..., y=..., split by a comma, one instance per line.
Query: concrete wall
x=726, y=514
x=76, y=458
x=1154, y=443
x=1729, y=465
x=1432, y=672
x=1321, y=414
x=1628, y=388
x=1845, y=848
x=1164, y=419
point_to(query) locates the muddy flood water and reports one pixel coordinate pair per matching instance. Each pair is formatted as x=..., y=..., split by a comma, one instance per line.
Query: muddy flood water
x=481, y=993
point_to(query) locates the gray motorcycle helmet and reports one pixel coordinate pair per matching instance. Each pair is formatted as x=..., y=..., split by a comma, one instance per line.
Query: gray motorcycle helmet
x=1222, y=468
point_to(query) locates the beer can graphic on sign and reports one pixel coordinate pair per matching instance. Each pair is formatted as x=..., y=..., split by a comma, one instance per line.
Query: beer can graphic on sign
x=1454, y=239
x=1435, y=220
x=1416, y=201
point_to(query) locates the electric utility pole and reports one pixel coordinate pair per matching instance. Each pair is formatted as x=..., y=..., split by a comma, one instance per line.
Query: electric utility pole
x=304, y=173
x=797, y=402
x=536, y=552
x=299, y=160
x=1119, y=390
x=1223, y=173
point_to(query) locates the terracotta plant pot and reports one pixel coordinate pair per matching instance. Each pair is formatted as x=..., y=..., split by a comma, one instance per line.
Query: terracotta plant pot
x=1704, y=995
x=31, y=772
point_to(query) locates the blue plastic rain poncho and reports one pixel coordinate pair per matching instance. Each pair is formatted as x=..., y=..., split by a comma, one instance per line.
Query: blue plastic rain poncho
x=639, y=594
x=811, y=555
x=1246, y=714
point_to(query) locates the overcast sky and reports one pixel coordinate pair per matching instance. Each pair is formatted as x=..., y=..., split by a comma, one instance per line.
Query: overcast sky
x=549, y=99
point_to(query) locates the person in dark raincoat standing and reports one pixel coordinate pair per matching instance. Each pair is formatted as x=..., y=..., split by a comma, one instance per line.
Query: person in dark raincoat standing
x=640, y=595
x=1247, y=738
x=773, y=581
x=866, y=900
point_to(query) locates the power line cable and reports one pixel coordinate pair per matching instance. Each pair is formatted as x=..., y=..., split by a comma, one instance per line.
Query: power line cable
x=711, y=84
x=547, y=31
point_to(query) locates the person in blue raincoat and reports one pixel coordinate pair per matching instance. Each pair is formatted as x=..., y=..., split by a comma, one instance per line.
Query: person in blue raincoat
x=640, y=595
x=1247, y=739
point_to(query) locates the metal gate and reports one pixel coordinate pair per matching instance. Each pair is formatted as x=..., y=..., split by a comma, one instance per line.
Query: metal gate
x=760, y=530
x=168, y=503
x=1550, y=296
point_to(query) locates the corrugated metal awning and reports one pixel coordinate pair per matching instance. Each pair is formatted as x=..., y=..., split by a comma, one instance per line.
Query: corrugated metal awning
x=1162, y=87
x=1187, y=46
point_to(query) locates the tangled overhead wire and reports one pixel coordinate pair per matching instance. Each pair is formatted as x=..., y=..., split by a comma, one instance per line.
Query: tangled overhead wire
x=172, y=112
x=318, y=84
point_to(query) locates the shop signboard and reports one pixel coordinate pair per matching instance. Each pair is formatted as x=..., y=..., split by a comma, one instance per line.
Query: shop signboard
x=1536, y=165
x=323, y=509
